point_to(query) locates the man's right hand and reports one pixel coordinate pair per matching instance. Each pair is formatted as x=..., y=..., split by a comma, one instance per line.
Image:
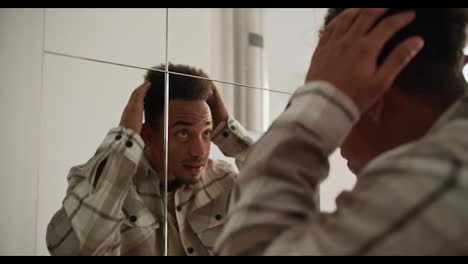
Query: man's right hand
x=347, y=52
x=218, y=109
x=132, y=117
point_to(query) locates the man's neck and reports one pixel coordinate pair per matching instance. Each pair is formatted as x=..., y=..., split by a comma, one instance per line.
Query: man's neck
x=414, y=120
x=172, y=186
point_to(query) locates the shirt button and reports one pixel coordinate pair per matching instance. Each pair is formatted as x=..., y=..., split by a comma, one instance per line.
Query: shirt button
x=133, y=219
x=190, y=250
x=129, y=144
x=225, y=134
x=218, y=217
x=178, y=208
x=118, y=137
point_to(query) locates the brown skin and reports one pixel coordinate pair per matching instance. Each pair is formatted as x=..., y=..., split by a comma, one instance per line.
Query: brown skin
x=190, y=127
x=385, y=122
x=385, y=126
x=132, y=117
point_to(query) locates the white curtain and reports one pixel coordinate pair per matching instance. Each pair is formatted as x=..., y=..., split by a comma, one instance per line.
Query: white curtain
x=249, y=68
x=238, y=56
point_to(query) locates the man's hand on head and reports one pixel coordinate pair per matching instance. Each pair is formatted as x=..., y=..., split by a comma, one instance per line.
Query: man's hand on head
x=217, y=107
x=347, y=52
x=132, y=116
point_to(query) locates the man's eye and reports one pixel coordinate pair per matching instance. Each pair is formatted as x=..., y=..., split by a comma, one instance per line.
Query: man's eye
x=182, y=134
x=207, y=133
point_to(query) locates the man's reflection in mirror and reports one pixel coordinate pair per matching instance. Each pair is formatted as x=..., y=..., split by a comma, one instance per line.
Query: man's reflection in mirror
x=115, y=202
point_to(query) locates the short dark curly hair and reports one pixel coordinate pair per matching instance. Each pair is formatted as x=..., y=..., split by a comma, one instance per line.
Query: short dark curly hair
x=436, y=73
x=180, y=87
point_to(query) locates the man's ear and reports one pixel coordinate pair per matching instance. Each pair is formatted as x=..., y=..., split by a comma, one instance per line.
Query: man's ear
x=146, y=133
x=376, y=111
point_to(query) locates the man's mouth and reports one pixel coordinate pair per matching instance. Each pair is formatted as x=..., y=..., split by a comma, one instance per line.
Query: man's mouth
x=195, y=169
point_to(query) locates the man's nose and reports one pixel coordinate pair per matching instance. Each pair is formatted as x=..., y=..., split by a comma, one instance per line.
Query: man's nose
x=197, y=148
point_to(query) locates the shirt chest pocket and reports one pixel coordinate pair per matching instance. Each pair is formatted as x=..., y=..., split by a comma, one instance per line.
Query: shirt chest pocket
x=208, y=222
x=139, y=223
x=136, y=213
x=138, y=232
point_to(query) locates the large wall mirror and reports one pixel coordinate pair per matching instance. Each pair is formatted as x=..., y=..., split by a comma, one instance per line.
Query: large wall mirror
x=67, y=77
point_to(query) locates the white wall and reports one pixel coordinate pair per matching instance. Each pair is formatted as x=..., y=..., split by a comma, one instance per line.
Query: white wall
x=20, y=83
x=134, y=36
x=291, y=35
x=82, y=100
x=47, y=129
x=189, y=37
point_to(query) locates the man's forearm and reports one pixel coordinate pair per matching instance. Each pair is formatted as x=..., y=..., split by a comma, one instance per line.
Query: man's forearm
x=92, y=209
x=232, y=139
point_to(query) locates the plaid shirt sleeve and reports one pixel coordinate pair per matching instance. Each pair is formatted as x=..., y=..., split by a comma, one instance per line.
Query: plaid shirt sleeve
x=408, y=201
x=233, y=140
x=89, y=221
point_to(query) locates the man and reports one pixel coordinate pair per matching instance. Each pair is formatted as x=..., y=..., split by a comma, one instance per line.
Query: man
x=115, y=202
x=386, y=86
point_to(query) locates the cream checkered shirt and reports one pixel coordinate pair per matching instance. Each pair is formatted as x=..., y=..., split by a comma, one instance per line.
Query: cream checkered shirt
x=121, y=213
x=412, y=200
